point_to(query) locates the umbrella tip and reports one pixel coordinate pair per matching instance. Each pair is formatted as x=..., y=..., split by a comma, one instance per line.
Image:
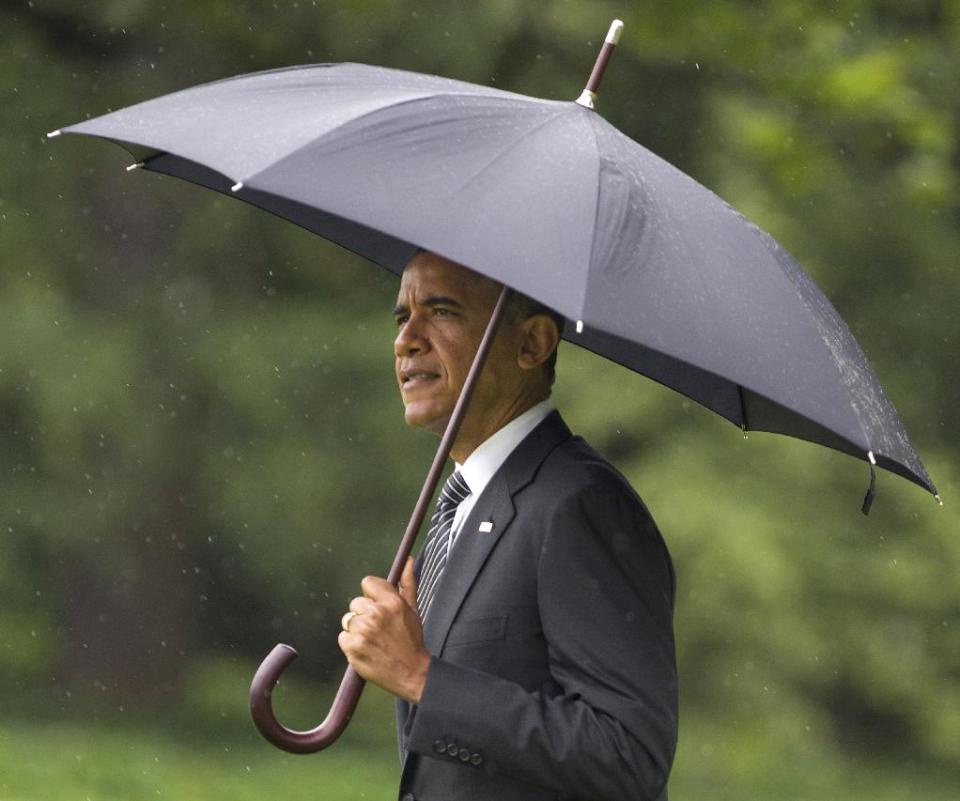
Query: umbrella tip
x=588, y=96
x=237, y=186
x=54, y=133
x=938, y=499
x=135, y=166
x=579, y=326
x=613, y=35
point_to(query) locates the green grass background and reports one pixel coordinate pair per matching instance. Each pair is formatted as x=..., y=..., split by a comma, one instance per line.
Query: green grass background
x=209, y=750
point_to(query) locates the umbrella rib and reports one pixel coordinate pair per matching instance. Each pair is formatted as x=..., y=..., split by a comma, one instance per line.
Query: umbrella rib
x=353, y=120
x=509, y=147
x=798, y=280
x=310, y=143
x=596, y=219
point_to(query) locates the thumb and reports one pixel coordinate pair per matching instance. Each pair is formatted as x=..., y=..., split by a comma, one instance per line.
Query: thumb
x=408, y=584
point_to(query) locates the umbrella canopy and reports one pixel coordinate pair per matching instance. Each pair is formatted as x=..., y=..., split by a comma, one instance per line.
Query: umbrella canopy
x=650, y=268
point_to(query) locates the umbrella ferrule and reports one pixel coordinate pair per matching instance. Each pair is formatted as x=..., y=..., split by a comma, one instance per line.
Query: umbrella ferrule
x=54, y=133
x=587, y=99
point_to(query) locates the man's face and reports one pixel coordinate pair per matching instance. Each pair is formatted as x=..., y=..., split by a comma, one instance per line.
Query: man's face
x=441, y=314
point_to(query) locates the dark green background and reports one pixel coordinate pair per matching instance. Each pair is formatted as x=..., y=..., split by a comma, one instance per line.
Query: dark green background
x=202, y=447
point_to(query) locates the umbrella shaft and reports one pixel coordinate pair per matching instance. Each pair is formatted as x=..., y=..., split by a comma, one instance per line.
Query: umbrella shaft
x=345, y=702
x=449, y=437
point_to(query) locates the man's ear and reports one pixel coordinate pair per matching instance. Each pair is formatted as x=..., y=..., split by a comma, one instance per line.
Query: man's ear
x=540, y=338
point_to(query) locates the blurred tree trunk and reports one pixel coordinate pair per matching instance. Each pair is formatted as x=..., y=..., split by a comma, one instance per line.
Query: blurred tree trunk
x=132, y=616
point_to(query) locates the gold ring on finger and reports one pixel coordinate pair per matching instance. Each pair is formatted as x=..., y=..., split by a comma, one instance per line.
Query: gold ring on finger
x=345, y=620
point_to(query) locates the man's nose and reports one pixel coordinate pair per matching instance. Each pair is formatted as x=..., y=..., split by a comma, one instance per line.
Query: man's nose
x=409, y=339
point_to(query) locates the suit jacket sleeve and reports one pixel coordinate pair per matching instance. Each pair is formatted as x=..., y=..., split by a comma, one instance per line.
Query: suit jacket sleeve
x=606, y=727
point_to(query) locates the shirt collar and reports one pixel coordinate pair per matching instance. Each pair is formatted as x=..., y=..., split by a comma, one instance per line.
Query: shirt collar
x=487, y=458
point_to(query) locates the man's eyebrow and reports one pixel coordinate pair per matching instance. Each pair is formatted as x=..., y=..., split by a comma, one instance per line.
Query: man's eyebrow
x=442, y=300
x=430, y=302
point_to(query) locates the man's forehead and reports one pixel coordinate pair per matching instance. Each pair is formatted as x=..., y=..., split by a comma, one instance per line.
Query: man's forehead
x=429, y=274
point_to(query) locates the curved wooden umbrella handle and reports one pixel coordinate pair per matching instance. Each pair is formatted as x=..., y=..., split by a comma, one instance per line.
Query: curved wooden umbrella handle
x=345, y=702
x=299, y=742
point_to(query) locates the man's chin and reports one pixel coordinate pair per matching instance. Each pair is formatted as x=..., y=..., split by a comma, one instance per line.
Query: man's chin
x=434, y=422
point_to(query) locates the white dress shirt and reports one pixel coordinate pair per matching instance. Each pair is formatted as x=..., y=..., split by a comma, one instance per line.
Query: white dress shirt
x=488, y=457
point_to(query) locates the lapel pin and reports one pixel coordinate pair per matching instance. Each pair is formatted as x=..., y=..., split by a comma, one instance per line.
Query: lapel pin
x=486, y=527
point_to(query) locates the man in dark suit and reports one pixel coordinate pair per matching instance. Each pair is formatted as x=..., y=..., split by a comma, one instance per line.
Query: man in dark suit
x=543, y=666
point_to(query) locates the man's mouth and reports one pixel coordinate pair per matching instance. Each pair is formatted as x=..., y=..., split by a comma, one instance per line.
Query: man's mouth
x=414, y=378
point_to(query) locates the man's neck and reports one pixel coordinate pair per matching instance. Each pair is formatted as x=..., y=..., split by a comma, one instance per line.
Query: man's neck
x=469, y=439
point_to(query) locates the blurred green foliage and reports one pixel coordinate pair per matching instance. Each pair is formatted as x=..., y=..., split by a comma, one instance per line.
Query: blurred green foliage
x=203, y=450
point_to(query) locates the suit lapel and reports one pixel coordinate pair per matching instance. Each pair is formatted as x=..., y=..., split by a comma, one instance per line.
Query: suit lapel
x=469, y=553
x=495, y=507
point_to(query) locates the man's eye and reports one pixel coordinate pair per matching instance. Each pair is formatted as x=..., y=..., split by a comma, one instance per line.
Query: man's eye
x=400, y=321
x=439, y=310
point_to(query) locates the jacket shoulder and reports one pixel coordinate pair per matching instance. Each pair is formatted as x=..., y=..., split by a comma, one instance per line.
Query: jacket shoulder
x=574, y=466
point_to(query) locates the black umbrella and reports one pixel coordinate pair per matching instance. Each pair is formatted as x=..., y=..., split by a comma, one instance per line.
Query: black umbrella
x=650, y=268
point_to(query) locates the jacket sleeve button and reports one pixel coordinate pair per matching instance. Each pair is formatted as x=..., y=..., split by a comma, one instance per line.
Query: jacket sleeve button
x=464, y=755
x=452, y=749
x=439, y=746
x=475, y=759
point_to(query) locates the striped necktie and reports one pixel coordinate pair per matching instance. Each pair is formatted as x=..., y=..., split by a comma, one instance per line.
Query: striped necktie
x=437, y=547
